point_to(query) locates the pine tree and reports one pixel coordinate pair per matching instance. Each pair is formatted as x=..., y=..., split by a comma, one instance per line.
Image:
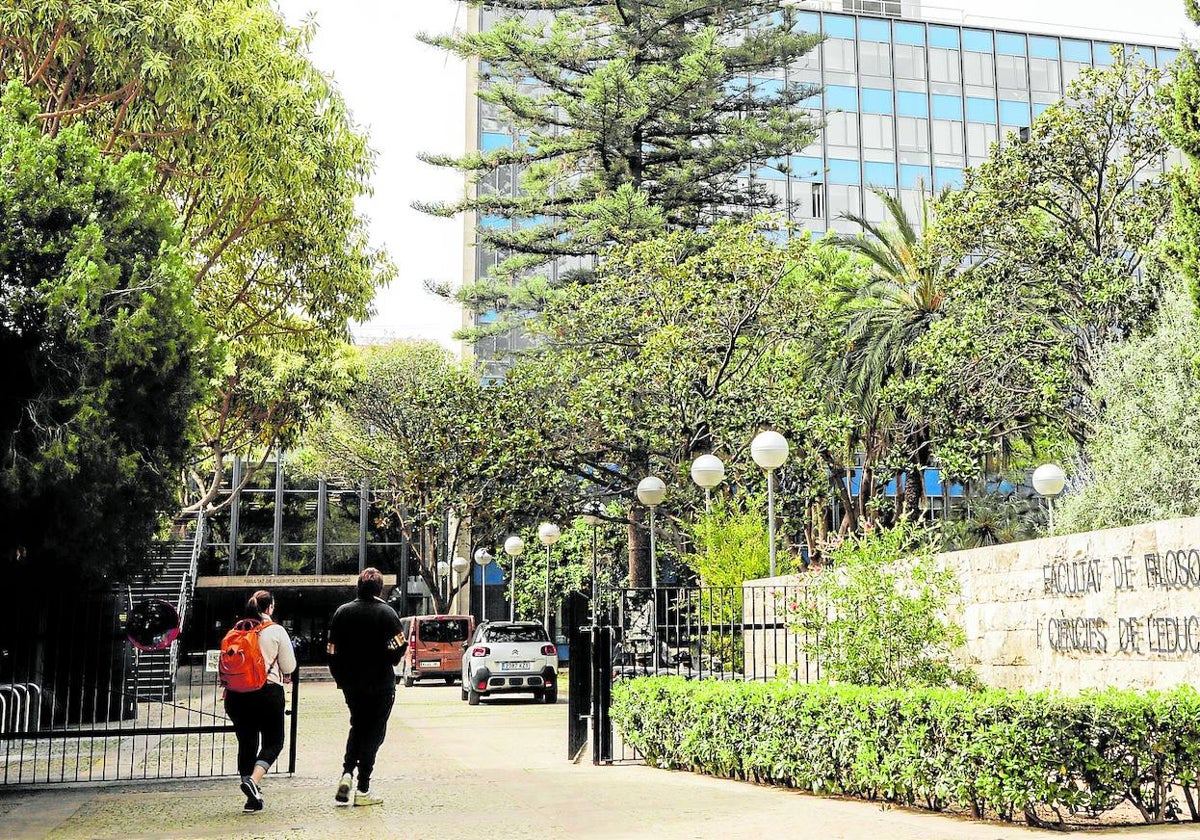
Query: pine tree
x=628, y=117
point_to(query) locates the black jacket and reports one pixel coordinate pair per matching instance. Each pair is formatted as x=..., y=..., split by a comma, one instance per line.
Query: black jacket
x=364, y=643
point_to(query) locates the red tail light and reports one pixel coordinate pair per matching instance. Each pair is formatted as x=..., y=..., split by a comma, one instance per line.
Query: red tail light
x=480, y=650
x=482, y=685
x=549, y=650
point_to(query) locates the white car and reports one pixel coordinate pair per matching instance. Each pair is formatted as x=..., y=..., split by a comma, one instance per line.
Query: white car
x=510, y=657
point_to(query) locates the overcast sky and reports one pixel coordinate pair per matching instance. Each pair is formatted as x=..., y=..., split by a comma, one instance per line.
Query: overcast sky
x=411, y=98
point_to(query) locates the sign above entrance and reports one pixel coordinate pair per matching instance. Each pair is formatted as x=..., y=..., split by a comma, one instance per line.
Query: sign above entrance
x=280, y=581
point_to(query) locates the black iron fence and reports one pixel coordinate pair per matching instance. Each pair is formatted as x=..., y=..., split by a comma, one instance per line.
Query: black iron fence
x=745, y=633
x=80, y=703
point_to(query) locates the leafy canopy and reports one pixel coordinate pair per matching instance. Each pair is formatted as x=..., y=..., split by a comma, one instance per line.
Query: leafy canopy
x=102, y=346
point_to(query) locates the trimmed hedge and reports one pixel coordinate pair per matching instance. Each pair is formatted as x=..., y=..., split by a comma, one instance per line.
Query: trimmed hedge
x=993, y=753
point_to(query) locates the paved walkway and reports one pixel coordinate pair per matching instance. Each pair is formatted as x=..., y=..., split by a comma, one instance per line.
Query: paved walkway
x=497, y=770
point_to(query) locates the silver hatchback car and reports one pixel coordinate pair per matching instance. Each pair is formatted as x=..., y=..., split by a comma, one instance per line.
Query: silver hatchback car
x=510, y=657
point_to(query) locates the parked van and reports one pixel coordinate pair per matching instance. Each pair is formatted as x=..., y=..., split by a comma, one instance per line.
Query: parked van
x=435, y=647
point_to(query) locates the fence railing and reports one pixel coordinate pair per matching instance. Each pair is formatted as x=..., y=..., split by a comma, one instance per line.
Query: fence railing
x=743, y=633
x=70, y=712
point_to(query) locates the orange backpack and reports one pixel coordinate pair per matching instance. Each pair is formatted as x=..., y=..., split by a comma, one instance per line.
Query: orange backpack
x=242, y=667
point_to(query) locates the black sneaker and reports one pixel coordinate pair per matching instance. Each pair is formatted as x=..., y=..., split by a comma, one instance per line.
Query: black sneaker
x=254, y=797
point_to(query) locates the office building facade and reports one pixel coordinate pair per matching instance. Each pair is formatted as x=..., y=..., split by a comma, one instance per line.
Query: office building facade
x=909, y=102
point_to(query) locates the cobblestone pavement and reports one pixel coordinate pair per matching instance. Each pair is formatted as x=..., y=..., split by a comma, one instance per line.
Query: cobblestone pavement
x=498, y=770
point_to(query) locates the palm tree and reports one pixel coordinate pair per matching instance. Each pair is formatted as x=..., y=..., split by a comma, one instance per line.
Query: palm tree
x=883, y=314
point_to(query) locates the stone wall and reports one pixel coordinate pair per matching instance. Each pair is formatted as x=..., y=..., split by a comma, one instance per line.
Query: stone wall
x=1107, y=608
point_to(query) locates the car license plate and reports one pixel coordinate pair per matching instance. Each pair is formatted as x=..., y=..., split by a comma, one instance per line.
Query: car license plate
x=431, y=663
x=515, y=666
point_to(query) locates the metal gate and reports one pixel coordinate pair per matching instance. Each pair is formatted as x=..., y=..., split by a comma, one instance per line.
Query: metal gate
x=743, y=633
x=79, y=703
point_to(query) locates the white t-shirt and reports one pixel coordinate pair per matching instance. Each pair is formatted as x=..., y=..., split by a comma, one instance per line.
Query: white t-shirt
x=277, y=652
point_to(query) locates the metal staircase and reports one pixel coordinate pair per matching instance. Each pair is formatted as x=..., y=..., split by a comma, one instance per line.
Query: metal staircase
x=174, y=582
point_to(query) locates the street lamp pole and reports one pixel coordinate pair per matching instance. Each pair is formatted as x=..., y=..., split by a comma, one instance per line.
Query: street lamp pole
x=548, y=533
x=769, y=450
x=459, y=565
x=1049, y=481
x=514, y=547
x=651, y=491
x=708, y=471
x=443, y=570
x=483, y=557
x=592, y=517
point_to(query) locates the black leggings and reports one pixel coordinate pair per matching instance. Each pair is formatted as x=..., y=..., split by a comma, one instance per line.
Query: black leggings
x=256, y=715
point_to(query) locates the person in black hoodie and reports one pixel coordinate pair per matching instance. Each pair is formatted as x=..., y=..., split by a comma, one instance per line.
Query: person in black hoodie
x=365, y=642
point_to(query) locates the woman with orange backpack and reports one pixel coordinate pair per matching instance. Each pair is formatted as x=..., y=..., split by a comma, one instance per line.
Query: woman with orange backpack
x=255, y=656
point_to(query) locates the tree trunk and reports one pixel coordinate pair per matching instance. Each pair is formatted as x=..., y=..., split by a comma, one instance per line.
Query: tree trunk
x=639, y=548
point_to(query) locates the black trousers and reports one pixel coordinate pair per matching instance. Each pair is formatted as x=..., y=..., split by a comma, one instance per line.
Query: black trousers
x=257, y=718
x=369, y=708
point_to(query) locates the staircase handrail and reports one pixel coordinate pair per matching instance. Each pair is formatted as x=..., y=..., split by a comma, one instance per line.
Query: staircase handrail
x=185, y=585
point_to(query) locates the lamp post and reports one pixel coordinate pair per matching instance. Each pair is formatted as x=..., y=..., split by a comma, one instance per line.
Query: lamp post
x=443, y=569
x=548, y=533
x=769, y=450
x=591, y=515
x=483, y=557
x=1048, y=481
x=650, y=492
x=514, y=547
x=708, y=471
x=459, y=565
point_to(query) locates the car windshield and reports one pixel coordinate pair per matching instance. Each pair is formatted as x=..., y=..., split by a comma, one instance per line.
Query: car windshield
x=517, y=634
x=443, y=630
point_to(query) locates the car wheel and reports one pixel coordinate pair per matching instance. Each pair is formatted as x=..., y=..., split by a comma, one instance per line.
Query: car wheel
x=552, y=697
x=464, y=693
x=449, y=680
x=472, y=697
x=538, y=696
x=409, y=680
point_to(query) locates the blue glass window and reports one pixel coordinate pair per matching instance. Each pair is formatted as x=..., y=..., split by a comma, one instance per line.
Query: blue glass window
x=911, y=173
x=808, y=22
x=532, y=221
x=909, y=104
x=839, y=26
x=844, y=172
x=947, y=107
x=1014, y=113
x=766, y=88
x=981, y=110
x=943, y=36
x=977, y=40
x=493, y=222
x=1010, y=44
x=1165, y=57
x=876, y=101
x=947, y=176
x=491, y=140
x=768, y=173
x=736, y=86
x=808, y=168
x=873, y=30
x=1102, y=52
x=1043, y=47
x=841, y=96
x=1077, y=51
x=879, y=174
x=909, y=33
x=1039, y=108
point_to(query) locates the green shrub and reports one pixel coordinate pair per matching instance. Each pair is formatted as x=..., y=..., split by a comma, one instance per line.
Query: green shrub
x=993, y=753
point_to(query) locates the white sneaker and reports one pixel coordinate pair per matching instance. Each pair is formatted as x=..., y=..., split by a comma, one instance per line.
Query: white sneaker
x=364, y=798
x=343, y=788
